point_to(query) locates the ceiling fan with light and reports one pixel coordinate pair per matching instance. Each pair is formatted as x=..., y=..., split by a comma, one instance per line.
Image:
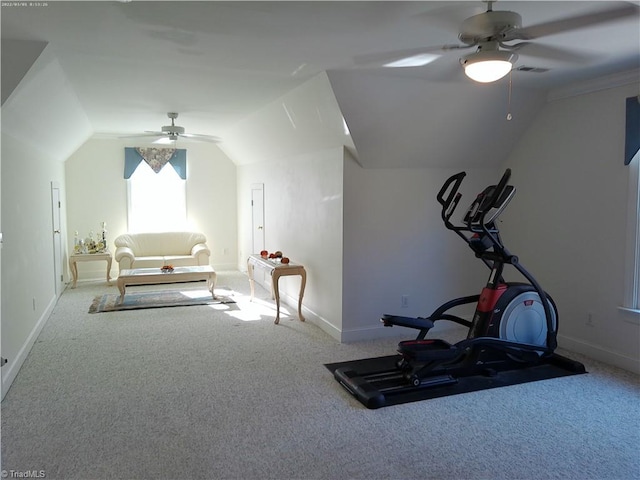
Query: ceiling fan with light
x=492, y=33
x=171, y=133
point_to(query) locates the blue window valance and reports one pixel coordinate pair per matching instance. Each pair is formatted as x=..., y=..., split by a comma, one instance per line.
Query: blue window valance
x=156, y=158
x=632, y=130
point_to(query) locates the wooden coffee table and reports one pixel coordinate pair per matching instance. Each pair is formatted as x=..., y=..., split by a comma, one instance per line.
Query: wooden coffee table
x=150, y=276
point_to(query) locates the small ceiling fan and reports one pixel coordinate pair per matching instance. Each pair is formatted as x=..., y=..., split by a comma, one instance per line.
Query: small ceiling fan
x=492, y=33
x=171, y=133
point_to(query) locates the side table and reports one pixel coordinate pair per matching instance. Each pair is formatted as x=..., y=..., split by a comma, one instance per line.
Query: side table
x=277, y=270
x=88, y=257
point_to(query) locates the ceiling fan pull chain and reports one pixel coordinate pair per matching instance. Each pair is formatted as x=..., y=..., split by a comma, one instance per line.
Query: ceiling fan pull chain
x=509, y=116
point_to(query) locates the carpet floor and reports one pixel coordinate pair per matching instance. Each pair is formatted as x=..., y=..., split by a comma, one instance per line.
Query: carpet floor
x=220, y=392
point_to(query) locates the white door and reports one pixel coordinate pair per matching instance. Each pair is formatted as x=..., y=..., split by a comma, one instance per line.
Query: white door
x=57, y=239
x=2, y=360
x=257, y=217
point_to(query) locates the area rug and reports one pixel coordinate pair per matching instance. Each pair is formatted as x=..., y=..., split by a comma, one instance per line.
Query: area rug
x=159, y=299
x=376, y=395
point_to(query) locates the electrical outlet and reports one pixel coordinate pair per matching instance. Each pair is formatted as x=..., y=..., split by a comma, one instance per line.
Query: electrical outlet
x=404, y=301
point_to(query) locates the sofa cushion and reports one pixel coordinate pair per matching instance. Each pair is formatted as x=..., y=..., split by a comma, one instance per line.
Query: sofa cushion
x=174, y=260
x=160, y=244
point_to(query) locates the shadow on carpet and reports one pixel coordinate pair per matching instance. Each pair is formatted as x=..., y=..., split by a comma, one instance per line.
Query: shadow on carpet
x=375, y=393
x=159, y=299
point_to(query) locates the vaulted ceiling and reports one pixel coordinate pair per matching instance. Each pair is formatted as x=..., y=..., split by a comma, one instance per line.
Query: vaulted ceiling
x=129, y=63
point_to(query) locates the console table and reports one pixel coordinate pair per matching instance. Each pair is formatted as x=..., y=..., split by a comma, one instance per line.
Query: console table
x=88, y=257
x=277, y=270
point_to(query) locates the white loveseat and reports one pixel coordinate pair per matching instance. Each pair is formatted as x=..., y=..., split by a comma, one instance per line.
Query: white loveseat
x=145, y=250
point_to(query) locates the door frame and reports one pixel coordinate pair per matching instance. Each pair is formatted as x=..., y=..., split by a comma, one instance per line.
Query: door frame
x=58, y=250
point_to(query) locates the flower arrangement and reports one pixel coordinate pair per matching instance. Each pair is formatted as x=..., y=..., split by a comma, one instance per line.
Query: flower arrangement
x=90, y=245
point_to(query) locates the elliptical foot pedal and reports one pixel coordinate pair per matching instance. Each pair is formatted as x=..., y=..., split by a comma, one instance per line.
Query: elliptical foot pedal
x=419, y=323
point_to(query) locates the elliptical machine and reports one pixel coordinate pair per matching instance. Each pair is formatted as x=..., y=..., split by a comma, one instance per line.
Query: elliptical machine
x=512, y=327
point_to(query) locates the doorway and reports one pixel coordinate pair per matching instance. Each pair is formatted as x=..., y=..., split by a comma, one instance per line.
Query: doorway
x=257, y=217
x=57, y=239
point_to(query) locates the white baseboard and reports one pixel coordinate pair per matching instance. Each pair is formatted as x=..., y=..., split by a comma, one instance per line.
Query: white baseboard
x=374, y=332
x=311, y=316
x=598, y=353
x=14, y=365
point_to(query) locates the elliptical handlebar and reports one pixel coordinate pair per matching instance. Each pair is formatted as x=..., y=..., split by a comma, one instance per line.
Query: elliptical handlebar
x=492, y=198
x=457, y=178
x=450, y=203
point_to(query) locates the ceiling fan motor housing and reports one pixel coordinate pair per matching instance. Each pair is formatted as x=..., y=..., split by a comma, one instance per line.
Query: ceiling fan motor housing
x=173, y=130
x=488, y=26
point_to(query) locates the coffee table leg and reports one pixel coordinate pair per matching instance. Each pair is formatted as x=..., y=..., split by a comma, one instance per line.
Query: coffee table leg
x=211, y=284
x=109, y=259
x=121, y=287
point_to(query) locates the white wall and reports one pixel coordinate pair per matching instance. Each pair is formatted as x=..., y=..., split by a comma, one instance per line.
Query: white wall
x=295, y=146
x=307, y=119
x=97, y=192
x=403, y=119
x=303, y=219
x=35, y=144
x=28, y=287
x=395, y=244
x=568, y=219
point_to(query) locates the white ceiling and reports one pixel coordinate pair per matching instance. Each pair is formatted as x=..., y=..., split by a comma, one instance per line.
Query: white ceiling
x=217, y=62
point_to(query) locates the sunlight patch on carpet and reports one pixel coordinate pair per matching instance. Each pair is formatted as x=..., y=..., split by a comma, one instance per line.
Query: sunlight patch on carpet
x=254, y=310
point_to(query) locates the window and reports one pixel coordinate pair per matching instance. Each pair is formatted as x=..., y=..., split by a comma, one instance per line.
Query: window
x=632, y=297
x=156, y=201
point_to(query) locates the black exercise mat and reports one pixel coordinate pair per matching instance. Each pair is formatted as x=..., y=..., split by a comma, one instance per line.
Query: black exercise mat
x=555, y=367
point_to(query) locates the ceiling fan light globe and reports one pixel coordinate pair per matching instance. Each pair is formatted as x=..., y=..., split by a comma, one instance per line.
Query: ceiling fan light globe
x=487, y=71
x=488, y=66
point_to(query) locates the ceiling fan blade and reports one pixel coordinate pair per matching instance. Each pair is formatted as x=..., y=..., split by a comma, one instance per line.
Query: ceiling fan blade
x=383, y=58
x=549, y=53
x=446, y=72
x=141, y=135
x=597, y=17
x=449, y=17
x=202, y=138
